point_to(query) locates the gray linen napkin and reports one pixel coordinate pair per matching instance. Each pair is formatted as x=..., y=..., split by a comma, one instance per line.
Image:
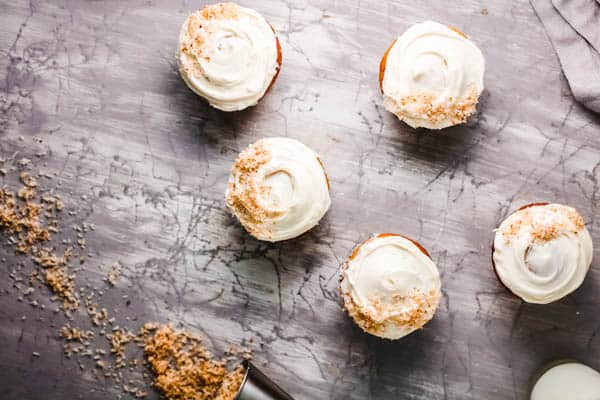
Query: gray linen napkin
x=574, y=30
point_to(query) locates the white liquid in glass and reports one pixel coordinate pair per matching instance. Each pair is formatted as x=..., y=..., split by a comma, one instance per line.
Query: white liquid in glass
x=571, y=380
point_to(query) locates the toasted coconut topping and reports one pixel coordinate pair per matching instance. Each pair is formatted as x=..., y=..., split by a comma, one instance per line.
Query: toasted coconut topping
x=185, y=370
x=412, y=311
x=454, y=110
x=245, y=194
x=565, y=219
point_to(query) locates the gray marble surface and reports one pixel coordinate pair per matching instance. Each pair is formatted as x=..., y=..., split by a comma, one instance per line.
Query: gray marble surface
x=89, y=91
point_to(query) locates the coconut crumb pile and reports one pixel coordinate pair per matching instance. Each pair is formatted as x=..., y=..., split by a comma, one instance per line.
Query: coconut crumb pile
x=185, y=370
x=114, y=274
x=174, y=362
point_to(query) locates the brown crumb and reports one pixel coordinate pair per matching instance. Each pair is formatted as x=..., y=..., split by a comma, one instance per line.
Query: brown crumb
x=231, y=384
x=21, y=216
x=48, y=259
x=114, y=274
x=28, y=181
x=75, y=334
x=184, y=369
x=62, y=284
x=235, y=353
x=98, y=317
x=118, y=340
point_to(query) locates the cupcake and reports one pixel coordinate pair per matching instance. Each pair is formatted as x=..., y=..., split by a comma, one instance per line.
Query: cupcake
x=278, y=189
x=542, y=252
x=431, y=76
x=228, y=55
x=390, y=286
x=567, y=380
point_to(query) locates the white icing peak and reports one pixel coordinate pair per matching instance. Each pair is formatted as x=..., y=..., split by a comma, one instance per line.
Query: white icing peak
x=573, y=381
x=278, y=189
x=542, y=252
x=228, y=55
x=433, y=76
x=390, y=286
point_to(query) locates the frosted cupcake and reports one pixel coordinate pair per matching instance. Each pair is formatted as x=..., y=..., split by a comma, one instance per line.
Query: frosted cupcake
x=390, y=286
x=542, y=252
x=431, y=76
x=229, y=55
x=278, y=189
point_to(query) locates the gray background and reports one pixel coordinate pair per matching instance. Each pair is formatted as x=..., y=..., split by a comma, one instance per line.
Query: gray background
x=90, y=92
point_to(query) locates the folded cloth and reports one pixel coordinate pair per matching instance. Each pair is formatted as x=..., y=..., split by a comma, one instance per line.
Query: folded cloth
x=574, y=30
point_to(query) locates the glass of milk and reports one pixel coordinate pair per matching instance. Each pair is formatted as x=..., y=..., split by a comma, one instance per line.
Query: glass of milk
x=567, y=379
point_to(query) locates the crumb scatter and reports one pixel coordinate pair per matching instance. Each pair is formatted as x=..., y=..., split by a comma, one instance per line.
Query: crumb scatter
x=182, y=368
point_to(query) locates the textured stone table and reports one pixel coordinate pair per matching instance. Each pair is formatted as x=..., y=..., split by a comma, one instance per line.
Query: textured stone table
x=89, y=91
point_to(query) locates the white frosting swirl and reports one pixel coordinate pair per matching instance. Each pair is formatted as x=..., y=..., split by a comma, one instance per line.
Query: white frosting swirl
x=278, y=189
x=228, y=55
x=571, y=380
x=390, y=286
x=542, y=252
x=433, y=76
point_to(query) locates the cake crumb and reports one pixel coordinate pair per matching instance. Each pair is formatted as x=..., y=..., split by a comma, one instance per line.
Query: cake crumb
x=184, y=369
x=22, y=217
x=74, y=334
x=114, y=274
x=119, y=338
